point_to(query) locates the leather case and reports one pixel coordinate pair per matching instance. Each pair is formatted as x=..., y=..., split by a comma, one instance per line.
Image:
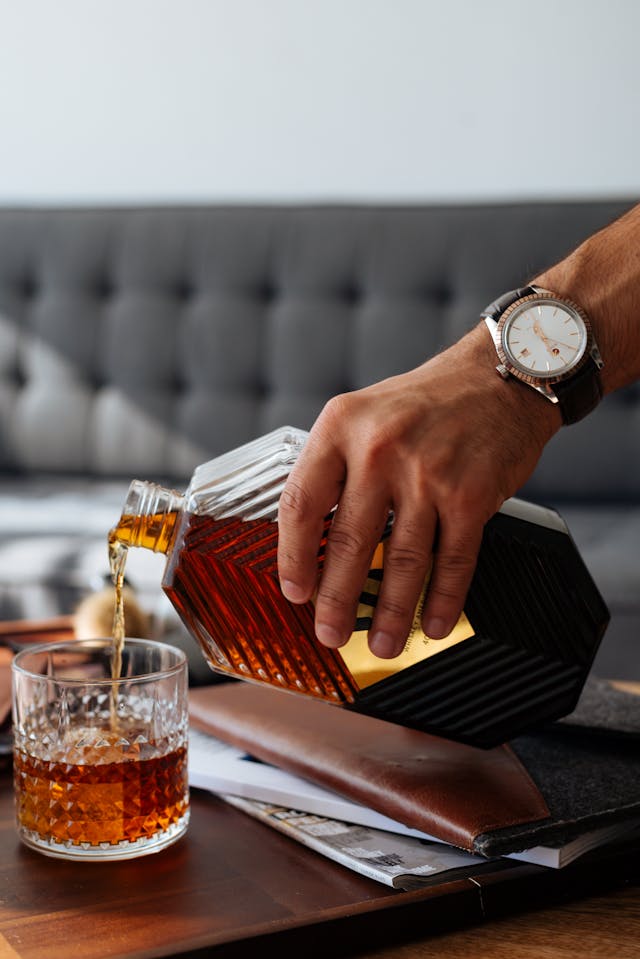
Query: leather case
x=541, y=789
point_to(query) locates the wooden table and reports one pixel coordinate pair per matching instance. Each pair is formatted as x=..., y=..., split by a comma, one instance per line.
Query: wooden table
x=597, y=927
x=233, y=887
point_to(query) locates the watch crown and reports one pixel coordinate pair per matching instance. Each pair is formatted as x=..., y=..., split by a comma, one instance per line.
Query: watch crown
x=595, y=356
x=503, y=371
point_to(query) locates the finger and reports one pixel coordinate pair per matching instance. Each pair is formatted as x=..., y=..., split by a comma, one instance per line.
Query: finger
x=407, y=558
x=354, y=535
x=453, y=567
x=310, y=493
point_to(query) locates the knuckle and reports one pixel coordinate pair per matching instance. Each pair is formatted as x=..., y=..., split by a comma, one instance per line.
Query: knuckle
x=334, y=599
x=333, y=413
x=405, y=560
x=445, y=591
x=393, y=608
x=473, y=505
x=347, y=540
x=464, y=502
x=452, y=574
x=455, y=564
x=294, y=501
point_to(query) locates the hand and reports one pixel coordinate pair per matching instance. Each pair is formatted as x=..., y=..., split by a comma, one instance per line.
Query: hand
x=442, y=447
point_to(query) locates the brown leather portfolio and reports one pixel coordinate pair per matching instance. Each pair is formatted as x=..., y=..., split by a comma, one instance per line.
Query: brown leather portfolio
x=540, y=789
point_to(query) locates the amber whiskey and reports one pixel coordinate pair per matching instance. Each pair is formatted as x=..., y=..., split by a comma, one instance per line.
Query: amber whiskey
x=117, y=797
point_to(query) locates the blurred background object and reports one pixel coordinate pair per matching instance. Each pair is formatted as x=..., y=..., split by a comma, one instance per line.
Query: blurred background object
x=93, y=619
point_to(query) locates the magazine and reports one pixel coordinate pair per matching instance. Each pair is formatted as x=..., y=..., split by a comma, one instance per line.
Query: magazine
x=402, y=862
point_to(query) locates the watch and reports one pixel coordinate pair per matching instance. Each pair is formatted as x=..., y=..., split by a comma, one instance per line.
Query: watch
x=546, y=341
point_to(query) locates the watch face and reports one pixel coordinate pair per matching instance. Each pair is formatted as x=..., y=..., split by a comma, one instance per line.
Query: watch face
x=543, y=338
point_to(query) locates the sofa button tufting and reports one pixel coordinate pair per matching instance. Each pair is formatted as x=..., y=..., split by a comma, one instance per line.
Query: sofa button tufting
x=268, y=292
x=441, y=295
x=105, y=289
x=185, y=290
x=29, y=288
x=352, y=294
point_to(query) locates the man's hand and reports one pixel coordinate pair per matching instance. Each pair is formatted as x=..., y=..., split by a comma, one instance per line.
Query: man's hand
x=442, y=447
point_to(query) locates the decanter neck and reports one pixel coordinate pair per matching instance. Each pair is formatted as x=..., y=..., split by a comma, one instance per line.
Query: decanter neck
x=149, y=516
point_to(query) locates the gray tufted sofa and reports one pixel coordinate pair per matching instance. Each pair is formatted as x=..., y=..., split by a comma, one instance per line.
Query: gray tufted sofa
x=140, y=342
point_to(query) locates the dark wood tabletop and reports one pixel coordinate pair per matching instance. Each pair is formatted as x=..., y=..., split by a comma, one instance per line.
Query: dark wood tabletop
x=233, y=887
x=229, y=880
x=595, y=927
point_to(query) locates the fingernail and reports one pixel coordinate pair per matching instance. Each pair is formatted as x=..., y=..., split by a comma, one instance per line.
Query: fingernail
x=436, y=628
x=384, y=645
x=329, y=635
x=293, y=592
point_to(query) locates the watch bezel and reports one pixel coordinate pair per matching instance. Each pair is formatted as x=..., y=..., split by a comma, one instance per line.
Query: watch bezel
x=542, y=379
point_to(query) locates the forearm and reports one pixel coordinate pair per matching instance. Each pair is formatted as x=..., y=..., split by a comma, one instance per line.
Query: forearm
x=603, y=276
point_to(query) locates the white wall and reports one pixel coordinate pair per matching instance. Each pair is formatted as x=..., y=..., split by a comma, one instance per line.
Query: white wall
x=191, y=100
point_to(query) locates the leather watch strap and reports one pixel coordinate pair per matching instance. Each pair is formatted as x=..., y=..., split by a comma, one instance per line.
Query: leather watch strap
x=497, y=308
x=579, y=395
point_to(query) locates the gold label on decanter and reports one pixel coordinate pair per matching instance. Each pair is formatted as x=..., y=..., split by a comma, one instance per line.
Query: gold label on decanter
x=366, y=668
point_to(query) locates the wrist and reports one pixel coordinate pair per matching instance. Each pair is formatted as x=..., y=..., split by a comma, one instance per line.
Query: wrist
x=518, y=402
x=603, y=276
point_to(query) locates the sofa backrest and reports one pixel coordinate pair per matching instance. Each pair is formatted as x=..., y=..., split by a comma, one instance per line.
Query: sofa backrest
x=143, y=341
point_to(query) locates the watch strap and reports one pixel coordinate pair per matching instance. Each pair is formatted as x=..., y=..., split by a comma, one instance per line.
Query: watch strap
x=579, y=395
x=497, y=308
